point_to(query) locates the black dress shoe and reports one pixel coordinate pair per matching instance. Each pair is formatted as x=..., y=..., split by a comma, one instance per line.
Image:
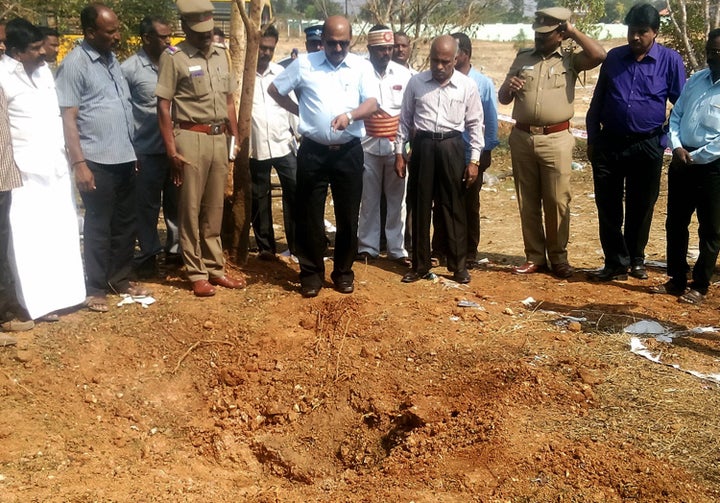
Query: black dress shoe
x=309, y=291
x=412, y=276
x=638, y=271
x=607, y=274
x=345, y=287
x=462, y=277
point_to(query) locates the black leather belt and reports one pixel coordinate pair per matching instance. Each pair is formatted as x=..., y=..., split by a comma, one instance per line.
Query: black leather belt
x=630, y=137
x=331, y=148
x=437, y=136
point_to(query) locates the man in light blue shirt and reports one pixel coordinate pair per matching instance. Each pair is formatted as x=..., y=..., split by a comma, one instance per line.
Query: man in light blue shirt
x=694, y=179
x=334, y=95
x=154, y=185
x=97, y=119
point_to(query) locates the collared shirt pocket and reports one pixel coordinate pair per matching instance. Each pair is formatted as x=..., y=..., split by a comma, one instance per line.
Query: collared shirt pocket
x=199, y=79
x=711, y=119
x=455, y=110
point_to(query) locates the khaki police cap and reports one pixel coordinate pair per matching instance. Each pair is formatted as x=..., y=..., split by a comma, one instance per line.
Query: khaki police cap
x=198, y=14
x=547, y=20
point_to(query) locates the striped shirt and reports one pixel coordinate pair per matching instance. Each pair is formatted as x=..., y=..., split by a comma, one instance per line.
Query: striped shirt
x=95, y=85
x=9, y=172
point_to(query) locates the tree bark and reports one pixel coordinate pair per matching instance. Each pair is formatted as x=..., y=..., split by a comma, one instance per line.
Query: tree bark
x=245, y=28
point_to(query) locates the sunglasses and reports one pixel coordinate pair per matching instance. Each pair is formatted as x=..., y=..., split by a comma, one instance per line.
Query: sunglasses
x=334, y=43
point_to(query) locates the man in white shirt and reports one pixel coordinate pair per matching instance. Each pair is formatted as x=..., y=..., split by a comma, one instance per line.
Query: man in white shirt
x=271, y=146
x=438, y=105
x=42, y=210
x=379, y=176
x=694, y=179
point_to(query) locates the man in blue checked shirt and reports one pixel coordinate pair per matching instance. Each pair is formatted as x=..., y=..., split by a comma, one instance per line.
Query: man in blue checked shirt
x=97, y=118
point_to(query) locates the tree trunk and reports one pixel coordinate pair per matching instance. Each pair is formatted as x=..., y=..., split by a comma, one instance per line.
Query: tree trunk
x=245, y=28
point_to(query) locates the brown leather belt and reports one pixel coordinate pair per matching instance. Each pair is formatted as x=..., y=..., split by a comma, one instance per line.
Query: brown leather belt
x=552, y=128
x=211, y=129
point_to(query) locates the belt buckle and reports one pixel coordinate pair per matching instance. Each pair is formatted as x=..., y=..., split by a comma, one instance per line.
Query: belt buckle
x=438, y=136
x=215, y=129
x=537, y=129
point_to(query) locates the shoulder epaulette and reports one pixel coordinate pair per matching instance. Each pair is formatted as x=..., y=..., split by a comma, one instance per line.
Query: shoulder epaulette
x=171, y=49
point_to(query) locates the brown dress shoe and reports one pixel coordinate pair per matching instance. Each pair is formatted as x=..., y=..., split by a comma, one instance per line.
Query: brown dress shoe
x=563, y=270
x=228, y=282
x=203, y=288
x=528, y=268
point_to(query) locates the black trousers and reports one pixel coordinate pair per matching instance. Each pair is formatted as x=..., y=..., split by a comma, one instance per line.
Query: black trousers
x=693, y=188
x=435, y=184
x=472, y=214
x=340, y=169
x=629, y=168
x=7, y=291
x=109, y=231
x=262, y=221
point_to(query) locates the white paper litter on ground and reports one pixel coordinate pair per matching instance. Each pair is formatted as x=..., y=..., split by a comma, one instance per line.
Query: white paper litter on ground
x=578, y=319
x=637, y=347
x=645, y=327
x=145, y=302
x=528, y=302
x=329, y=227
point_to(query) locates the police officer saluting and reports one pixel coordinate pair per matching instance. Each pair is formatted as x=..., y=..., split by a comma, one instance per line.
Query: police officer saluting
x=541, y=82
x=195, y=79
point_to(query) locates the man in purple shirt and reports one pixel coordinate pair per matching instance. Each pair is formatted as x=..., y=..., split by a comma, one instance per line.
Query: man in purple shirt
x=626, y=140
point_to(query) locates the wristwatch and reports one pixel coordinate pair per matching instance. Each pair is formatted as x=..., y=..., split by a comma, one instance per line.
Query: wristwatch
x=476, y=162
x=349, y=116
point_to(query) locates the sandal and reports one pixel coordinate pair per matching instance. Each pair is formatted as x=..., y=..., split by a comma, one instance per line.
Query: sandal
x=16, y=325
x=692, y=297
x=96, y=303
x=667, y=288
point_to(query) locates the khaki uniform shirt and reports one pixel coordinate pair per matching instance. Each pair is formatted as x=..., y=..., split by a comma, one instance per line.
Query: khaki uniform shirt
x=197, y=85
x=549, y=91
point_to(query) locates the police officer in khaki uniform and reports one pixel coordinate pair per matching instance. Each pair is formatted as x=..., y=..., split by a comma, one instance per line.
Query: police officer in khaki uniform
x=541, y=81
x=196, y=114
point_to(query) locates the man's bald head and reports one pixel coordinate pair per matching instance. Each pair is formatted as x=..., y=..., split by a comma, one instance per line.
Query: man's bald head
x=336, y=38
x=443, y=53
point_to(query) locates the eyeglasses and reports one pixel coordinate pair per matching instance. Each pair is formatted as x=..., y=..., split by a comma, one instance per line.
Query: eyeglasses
x=334, y=43
x=712, y=52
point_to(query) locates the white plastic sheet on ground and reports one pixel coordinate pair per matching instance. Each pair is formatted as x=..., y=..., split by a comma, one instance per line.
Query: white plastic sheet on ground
x=663, y=334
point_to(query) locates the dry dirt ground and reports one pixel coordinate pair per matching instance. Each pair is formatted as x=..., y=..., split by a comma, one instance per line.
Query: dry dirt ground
x=394, y=393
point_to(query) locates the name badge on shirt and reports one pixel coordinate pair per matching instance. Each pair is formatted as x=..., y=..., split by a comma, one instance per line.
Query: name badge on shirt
x=196, y=71
x=528, y=67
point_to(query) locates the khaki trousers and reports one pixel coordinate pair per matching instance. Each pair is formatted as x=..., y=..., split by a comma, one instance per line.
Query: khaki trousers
x=541, y=168
x=201, y=202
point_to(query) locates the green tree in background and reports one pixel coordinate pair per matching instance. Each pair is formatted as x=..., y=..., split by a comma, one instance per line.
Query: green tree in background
x=66, y=15
x=689, y=23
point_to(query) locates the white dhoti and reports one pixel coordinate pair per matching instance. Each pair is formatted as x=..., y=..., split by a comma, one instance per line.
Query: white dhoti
x=45, y=245
x=45, y=241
